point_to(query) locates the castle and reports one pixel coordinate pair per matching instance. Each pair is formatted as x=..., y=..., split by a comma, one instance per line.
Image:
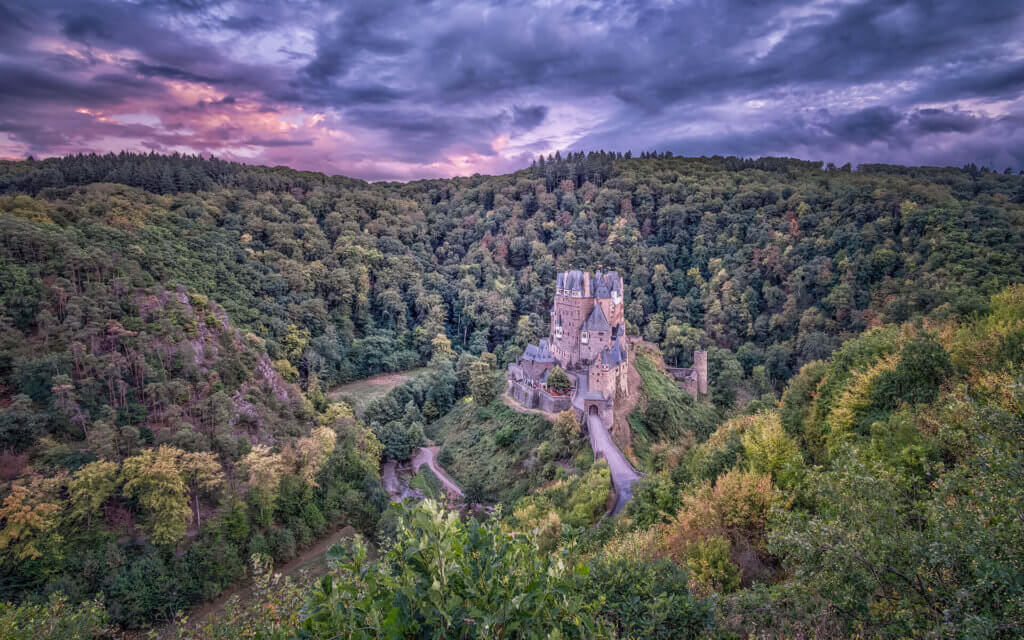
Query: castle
x=588, y=341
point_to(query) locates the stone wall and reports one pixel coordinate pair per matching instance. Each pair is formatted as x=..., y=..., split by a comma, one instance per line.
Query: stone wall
x=535, y=370
x=538, y=398
x=700, y=363
x=523, y=394
x=553, y=404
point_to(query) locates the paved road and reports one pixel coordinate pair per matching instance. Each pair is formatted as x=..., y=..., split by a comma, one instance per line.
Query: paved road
x=623, y=473
x=398, y=487
x=428, y=456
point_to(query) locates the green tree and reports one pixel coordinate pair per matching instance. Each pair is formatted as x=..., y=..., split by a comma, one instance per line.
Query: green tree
x=89, y=488
x=55, y=620
x=481, y=383
x=558, y=380
x=442, y=350
x=448, y=579
x=155, y=479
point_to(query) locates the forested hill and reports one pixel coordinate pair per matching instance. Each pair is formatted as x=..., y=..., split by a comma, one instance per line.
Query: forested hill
x=168, y=326
x=772, y=262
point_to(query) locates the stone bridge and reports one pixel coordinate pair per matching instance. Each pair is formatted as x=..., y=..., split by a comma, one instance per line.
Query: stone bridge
x=596, y=414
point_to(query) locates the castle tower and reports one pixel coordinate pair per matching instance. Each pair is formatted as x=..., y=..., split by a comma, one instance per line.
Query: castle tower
x=700, y=364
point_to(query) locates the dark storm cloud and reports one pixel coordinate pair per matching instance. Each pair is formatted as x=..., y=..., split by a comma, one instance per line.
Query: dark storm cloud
x=866, y=125
x=941, y=121
x=276, y=142
x=527, y=118
x=415, y=82
x=172, y=73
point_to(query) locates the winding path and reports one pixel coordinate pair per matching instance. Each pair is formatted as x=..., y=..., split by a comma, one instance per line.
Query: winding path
x=398, y=487
x=428, y=456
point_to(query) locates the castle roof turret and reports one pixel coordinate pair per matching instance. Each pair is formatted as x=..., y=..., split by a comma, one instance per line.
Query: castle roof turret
x=570, y=281
x=540, y=353
x=607, y=283
x=614, y=356
x=597, y=321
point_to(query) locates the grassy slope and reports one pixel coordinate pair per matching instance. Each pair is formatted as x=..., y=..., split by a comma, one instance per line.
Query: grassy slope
x=666, y=413
x=360, y=393
x=471, y=453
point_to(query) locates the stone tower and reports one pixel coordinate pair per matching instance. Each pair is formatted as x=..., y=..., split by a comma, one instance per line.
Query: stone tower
x=700, y=364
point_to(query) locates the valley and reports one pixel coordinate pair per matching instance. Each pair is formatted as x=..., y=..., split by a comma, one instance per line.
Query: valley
x=707, y=397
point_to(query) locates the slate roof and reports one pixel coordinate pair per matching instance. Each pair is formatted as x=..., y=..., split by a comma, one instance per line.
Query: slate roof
x=571, y=280
x=604, y=284
x=597, y=321
x=540, y=353
x=615, y=356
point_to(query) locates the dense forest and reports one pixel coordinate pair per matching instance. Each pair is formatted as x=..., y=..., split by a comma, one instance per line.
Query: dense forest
x=170, y=325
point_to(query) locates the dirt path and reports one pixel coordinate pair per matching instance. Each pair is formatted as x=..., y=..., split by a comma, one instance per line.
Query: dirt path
x=428, y=456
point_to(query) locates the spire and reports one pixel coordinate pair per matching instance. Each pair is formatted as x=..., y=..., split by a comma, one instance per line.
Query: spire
x=597, y=321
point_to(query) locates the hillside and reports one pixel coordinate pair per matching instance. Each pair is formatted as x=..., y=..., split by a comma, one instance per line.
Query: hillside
x=774, y=262
x=170, y=325
x=148, y=443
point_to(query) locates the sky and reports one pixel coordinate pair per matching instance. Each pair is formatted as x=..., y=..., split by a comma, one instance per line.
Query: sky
x=407, y=89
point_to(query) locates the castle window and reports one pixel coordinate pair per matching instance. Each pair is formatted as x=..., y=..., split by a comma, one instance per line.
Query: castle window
x=584, y=337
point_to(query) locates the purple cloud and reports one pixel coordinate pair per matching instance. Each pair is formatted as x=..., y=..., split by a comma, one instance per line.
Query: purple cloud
x=402, y=89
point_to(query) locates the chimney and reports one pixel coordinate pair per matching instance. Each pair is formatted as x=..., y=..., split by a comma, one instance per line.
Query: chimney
x=700, y=363
x=586, y=284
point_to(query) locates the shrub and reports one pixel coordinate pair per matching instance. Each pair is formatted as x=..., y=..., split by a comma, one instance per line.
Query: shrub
x=558, y=379
x=647, y=599
x=770, y=451
x=711, y=568
x=506, y=436
x=55, y=620
x=443, y=578
x=736, y=508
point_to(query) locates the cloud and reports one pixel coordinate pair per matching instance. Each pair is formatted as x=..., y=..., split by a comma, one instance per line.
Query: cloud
x=864, y=126
x=411, y=88
x=528, y=118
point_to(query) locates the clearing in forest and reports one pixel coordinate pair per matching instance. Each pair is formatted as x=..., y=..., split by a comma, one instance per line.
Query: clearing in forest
x=360, y=393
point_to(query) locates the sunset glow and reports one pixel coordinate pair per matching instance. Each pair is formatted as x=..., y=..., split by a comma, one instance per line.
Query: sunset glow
x=410, y=90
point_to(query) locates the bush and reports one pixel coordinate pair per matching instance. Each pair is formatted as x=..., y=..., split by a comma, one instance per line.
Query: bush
x=506, y=436
x=443, y=578
x=558, y=379
x=711, y=568
x=282, y=544
x=647, y=599
x=55, y=620
x=770, y=451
